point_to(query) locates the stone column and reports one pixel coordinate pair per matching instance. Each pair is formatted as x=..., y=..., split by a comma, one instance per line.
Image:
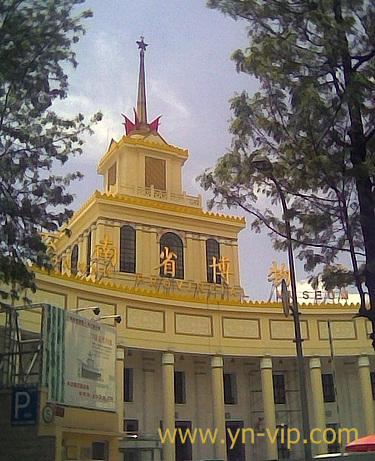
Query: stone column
x=231, y=250
x=318, y=404
x=366, y=393
x=151, y=252
x=120, y=356
x=81, y=263
x=139, y=250
x=268, y=405
x=218, y=407
x=101, y=230
x=116, y=243
x=168, y=403
x=59, y=442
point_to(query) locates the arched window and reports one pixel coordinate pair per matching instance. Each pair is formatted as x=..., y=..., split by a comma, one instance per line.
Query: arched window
x=212, y=251
x=127, y=249
x=171, y=256
x=74, y=260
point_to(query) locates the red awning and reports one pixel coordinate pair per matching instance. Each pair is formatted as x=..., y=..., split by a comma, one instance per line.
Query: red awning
x=365, y=443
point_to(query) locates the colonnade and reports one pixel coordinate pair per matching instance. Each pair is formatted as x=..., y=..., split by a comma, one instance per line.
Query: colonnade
x=317, y=417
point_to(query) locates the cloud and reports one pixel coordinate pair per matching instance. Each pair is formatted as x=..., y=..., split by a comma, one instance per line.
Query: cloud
x=171, y=103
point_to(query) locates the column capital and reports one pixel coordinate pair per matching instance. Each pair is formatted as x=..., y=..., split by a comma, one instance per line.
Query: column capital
x=167, y=358
x=217, y=361
x=363, y=361
x=266, y=362
x=120, y=353
x=315, y=362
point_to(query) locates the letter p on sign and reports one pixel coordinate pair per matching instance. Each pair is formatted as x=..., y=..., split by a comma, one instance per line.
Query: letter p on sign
x=24, y=405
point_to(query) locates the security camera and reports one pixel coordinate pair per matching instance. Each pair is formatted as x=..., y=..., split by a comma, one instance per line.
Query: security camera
x=118, y=319
x=96, y=310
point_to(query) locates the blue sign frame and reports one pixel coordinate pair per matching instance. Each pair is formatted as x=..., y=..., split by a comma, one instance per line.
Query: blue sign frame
x=24, y=405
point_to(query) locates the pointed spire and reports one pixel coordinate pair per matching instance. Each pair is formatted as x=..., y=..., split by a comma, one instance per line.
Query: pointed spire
x=140, y=124
x=141, y=100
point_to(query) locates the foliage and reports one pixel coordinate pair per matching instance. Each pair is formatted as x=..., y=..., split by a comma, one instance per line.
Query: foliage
x=314, y=118
x=35, y=43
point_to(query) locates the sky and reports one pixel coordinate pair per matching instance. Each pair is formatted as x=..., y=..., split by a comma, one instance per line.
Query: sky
x=190, y=79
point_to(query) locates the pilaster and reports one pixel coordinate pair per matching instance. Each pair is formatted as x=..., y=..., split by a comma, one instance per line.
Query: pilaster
x=268, y=405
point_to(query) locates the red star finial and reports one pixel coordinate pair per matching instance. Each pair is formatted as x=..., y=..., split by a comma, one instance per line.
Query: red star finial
x=141, y=44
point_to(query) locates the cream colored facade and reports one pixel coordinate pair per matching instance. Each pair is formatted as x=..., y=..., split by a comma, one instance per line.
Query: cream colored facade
x=163, y=332
x=225, y=350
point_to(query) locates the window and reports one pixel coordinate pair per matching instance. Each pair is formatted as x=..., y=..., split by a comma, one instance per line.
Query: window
x=179, y=387
x=100, y=451
x=88, y=257
x=112, y=173
x=328, y=387
x=128, y=384
x=171, y=256
x=333, y=444
x=279, y=389
x=74, y=260
x=372, y=376
x=212, y=250
x=155, y=173
x=131, y=426
x=230, y=389
x=127, y=249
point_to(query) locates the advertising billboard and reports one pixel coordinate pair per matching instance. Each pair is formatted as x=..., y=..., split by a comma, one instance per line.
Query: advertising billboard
x=80, y=360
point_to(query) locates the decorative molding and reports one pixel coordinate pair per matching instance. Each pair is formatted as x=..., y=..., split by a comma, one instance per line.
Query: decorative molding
x=284, y=329
x=127, y=140
x=51, y=297
x=340, y=329
x=193, y=325
x=135, y=200
x=105, y=308
x=145, y=319
x=241, y=328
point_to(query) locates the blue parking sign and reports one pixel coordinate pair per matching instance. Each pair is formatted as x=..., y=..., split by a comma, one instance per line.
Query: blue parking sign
x=24, y=405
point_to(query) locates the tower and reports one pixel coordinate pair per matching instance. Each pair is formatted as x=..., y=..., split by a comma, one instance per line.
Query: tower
x=143, y=229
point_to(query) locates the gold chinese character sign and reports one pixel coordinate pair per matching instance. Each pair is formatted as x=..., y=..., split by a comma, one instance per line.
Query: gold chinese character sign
x=276, y=275
x=168, y=263
x=221, y=266
x=104, y=258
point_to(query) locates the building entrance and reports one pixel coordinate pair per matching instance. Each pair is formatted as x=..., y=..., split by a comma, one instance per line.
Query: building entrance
x=237, y=452
x=183, y=450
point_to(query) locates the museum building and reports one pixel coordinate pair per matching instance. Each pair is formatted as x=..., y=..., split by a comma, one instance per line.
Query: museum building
x=176, y=344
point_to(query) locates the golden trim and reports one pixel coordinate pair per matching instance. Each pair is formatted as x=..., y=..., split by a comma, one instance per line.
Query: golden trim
x=198, y=299
x=130, y=199
x=167, y=206
x=141, y=142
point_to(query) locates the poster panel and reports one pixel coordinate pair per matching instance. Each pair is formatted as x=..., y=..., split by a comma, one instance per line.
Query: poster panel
x=90, y=360
x=79, y=360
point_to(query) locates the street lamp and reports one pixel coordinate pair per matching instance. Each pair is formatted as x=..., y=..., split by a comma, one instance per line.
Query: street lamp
x=265, y=166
